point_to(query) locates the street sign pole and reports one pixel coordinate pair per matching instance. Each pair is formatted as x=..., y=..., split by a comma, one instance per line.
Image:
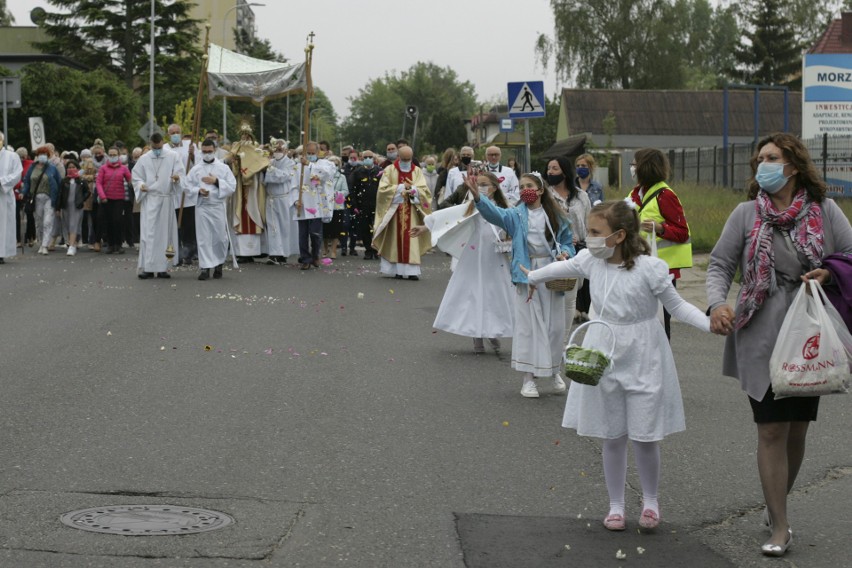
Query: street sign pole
x=527, y=165
x=5, y=122
x=526, y=101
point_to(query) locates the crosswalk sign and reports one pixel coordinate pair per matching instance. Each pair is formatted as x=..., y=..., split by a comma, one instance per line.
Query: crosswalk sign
x=525, y=99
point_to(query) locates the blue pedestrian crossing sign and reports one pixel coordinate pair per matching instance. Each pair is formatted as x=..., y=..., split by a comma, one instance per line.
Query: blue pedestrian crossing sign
x=526, y=99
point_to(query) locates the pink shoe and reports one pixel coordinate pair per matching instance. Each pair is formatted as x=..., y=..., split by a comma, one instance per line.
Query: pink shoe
x=649, y=519
x=615, y=522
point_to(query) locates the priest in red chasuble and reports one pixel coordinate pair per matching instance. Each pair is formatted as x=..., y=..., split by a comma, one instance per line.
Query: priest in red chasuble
x=403, y=200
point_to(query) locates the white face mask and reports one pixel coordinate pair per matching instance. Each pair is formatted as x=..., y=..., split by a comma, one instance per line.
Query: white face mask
x=278, y=155
x=208, y=157
x=598, y=248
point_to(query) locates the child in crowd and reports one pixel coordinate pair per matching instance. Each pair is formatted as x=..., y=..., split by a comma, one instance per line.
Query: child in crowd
x=540, y=233
x=638, y=397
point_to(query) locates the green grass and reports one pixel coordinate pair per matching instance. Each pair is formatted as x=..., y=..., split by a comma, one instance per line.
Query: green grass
x=707, y=208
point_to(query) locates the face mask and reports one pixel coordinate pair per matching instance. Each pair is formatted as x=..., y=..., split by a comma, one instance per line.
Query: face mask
x=485, y=189
x=393, y=156
x=72, y=173
x=368, y=162
x=344, y=159
x=430, y=168
x=208, y=157
x=99, y=157
x=123, y=158
x=113, y=159
x=404, y=166
x=633, y=173
x=312, y=157
x=466, y=160
x=278, y=155
x=555, y=179
x=493, y=167
x=529, y=196
x=175, y=138
x=157, y=152
x=582, y=172
x=598, y=248
x=770, y=177
x=42, y=158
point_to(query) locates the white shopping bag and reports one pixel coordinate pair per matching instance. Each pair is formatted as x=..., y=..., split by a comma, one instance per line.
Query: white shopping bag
x=810, y=358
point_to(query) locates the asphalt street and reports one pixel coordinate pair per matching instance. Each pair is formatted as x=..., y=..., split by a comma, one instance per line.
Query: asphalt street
x=321, y=411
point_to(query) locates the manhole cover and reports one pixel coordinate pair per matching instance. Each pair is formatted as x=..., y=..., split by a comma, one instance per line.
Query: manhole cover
x=146, y=520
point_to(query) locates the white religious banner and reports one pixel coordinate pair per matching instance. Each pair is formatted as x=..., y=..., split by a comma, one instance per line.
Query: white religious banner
x=37, y=136
x=236, y=76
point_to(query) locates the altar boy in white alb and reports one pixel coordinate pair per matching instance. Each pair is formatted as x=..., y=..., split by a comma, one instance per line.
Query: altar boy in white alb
x=157, y=177
x=211, y=182
x=10, y=175
x=282, y=230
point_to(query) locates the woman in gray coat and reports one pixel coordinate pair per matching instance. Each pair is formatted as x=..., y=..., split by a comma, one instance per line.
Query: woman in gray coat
x=777, y=239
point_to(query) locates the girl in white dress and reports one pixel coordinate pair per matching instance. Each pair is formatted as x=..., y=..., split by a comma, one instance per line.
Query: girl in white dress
x=479, y=300
x=638, y=397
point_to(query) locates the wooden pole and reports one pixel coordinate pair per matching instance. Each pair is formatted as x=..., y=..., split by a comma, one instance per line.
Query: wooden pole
x=309, y=91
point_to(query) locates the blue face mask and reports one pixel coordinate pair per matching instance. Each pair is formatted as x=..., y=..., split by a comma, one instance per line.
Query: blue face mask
x=175, y=138
x=582, y=172
x=157, y=152
x=770, y=177
x=404, y=166
x=312, y=157
x=368, y=162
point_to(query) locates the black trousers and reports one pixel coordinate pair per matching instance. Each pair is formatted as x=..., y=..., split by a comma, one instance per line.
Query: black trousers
x=310, y=240
x=364, y=223
x=188, y=244
x=19, y=205
x=130, y=232
x=113, y=213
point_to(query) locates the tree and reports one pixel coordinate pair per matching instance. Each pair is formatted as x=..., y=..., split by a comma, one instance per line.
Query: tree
x=768, y=53
x=76, y=107
x=442, y=100
x=115, y=35
x=6, y=17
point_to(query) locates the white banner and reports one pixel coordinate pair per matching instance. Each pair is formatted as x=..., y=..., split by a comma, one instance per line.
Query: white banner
x=37, y=135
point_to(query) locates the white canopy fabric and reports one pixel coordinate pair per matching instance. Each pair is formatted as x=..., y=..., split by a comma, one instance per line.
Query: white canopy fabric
x=236, y=76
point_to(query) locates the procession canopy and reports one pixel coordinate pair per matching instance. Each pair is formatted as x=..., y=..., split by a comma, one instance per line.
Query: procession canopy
x=237, y=76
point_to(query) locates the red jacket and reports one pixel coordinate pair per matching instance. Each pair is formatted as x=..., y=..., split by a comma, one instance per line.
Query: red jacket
x=110, y=181
x=26, y=165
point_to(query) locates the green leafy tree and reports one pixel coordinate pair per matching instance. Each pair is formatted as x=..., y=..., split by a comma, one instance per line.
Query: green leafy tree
x=76, y=107
x=442, y=100
x=6, y=17
x=768, y=53
x=115, y=35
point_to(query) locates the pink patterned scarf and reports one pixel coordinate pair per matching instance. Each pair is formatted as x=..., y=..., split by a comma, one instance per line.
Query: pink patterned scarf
x=803, y=221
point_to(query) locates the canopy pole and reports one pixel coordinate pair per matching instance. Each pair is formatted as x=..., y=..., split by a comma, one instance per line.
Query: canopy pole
x=309, y=88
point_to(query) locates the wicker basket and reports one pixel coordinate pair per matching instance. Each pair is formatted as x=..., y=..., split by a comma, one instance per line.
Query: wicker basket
x=561, y=284
x=584, y=364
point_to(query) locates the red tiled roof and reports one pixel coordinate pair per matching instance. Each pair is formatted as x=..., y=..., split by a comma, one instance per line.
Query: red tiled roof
x=831, y=40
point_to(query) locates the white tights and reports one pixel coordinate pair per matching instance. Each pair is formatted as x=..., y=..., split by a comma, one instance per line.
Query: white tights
x=647, y=456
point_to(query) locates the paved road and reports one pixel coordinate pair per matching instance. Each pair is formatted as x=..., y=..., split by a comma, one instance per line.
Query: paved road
x=337, y=430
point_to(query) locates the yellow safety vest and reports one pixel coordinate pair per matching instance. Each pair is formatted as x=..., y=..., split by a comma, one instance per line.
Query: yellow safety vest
x=676, y=255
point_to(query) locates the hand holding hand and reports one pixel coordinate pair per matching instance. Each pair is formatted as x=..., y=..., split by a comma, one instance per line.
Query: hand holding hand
x=722, y=320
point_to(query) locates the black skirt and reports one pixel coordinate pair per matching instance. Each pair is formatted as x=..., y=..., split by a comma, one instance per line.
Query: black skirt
x=792, y=409
x=336, y=228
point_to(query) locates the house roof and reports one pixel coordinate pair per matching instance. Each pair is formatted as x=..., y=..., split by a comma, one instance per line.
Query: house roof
x=833, y=39
x=678, y=113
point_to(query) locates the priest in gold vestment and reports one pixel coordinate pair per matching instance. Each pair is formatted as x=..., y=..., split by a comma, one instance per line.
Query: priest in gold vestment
x=402, y=201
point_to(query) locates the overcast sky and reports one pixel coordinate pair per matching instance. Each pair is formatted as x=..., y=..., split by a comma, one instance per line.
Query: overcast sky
x=486, y=42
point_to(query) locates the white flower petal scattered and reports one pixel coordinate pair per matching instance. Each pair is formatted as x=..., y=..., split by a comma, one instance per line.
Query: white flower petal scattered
x=620, y=555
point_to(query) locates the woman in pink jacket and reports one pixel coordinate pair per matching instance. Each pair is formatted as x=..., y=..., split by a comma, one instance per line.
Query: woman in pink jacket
x=111, y=192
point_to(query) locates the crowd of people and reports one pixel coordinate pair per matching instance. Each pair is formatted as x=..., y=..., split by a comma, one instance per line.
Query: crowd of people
x=532, y=254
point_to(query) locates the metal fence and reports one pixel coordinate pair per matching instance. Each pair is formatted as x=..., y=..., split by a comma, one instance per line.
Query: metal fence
x=831, y=154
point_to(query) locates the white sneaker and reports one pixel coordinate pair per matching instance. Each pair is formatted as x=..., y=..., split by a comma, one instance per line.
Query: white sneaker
x=42, y=250
x=558, y=384
x=72, y=250
x=529, y=390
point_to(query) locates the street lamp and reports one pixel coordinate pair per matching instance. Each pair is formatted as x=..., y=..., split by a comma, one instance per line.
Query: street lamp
x=224, y=99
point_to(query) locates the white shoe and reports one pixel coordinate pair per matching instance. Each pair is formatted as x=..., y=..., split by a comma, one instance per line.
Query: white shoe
x=42, y=250
x=529, y=390
x=558, y=384
x=72, y=250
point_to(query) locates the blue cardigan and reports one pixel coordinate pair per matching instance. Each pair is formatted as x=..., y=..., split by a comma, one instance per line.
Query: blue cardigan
x=52, y=175
x=515, y=222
